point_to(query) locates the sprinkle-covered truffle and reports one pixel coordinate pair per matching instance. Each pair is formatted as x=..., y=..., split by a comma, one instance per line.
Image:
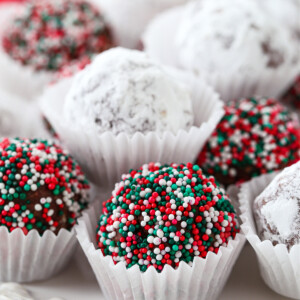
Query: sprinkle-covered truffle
x=292, y=96
x=41, y=186
x=70, y=69
x=164, y=214
x=51, y=33
x=255, y=136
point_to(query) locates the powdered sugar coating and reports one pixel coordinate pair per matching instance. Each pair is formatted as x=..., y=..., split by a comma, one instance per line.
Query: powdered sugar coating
x=233, y=34
x=125, y=91
x=286, y=13
x=277, y=208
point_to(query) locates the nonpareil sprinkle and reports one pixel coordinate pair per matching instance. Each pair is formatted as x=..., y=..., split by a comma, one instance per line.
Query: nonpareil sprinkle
x=50, y=34
x=255, y=136
x=163, y=215
x=41, y=186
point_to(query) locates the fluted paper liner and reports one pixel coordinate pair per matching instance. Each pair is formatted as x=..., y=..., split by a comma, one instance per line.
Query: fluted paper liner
x=79, y=256
x=31, y=257
x=204, y=280
x=16, y=78
x=230, y=84
x=105, y=157
x=20, y=118
x=279, y=268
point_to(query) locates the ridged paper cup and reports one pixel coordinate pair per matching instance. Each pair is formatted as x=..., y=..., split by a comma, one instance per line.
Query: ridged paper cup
x=279, y=268
x=105, y=157
x=19, y=118
x=161, y=45
x=31, y=257
x=16, y=78
x=79, y=256
x=204, y=280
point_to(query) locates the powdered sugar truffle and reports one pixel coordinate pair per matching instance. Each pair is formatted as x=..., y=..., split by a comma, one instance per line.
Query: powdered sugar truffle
x=277, y=208
x=125, y=91
x=285, y=13
x=233, y=34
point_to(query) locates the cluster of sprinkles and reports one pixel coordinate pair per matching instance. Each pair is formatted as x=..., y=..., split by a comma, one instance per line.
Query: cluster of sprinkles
x=164, y=214
x=41, y=186
x=52, y=33
x=255, y=136
x=70, y=69
x=292, y=96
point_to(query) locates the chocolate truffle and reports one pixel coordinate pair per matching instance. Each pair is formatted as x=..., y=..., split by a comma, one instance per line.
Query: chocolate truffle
x=165, y=214
x=52, y=33
x=255, y=136
x=41, y=186
x=285, y=13
x=233, y=35
x=277, y=209
x=292, y=95
x=125, y=91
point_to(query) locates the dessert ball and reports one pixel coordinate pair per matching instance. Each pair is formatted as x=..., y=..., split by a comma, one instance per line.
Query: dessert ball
x=70, y=69
x=164, y=214
x=52, y=33
x=292, y=95
x=285, y=13
x=125, y=91
x=255, y=136
x=222, y=35
x=277, y=208
x=41, y=186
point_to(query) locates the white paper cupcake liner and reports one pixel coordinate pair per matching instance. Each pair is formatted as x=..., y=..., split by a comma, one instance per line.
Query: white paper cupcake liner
x=129, y=18
x=19, y=118
x=265, y=83
x=79, y=256
x=14, y=77
x=31, y=257
x=105, y=157
x=279, y=268
x=160, y=44
x=204, y=280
